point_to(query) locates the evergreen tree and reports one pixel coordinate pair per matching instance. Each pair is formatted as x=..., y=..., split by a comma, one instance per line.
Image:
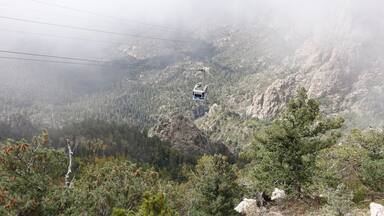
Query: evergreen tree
x=284, y=153
x=29, y=173
x=110, y=184
x=215, y=189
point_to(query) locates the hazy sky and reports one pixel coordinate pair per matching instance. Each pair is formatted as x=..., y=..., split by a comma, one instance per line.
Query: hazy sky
x=163, y=18
x=173, y=14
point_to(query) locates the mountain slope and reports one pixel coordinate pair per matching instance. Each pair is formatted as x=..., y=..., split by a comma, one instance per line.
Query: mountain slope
x=255, y=68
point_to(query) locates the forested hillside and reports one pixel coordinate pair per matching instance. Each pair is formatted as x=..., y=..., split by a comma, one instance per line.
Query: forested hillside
x=254, y=69
x=102, y=168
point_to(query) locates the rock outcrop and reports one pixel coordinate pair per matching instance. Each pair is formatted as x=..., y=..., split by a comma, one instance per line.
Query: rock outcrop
x=266, y=105
x=184, y=136
x=344, y=75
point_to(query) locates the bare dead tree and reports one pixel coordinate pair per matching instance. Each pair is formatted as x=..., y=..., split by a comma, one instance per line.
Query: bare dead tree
x=69, y=183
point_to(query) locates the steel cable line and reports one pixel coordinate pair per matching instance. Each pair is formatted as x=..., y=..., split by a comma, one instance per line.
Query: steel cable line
x=183, y=31
x=58, y=36
x=49, y=61
x=102, y=15
x=87, y=29
x=50, y=56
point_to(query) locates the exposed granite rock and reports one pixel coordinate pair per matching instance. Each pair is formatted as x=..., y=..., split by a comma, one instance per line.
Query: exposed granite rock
x=184, y=136
x=268, y=104
x=344, y=75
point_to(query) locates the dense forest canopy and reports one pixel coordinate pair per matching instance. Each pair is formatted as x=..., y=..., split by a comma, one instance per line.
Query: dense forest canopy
x=118, y=170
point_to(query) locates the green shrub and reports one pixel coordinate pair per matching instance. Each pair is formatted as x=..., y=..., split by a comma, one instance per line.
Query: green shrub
x=339, y=201
x=120, y=212
x=340, y=165
x=359, y=194
x=372, y=166
x=155, y=205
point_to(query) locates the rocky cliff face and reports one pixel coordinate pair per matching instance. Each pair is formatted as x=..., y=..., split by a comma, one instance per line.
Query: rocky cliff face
x=267, y=104
x=184, y=136
x=345, y=77
x=342, y=67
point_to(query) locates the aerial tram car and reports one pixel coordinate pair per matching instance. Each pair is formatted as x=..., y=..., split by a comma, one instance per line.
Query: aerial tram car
x=200, y=91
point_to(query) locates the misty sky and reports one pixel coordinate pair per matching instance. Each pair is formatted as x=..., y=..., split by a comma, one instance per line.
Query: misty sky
x=191, y=15
x=170, y=19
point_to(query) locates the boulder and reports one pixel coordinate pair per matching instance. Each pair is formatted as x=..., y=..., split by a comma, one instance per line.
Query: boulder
x=278, y=194
x=247, y=205
x=376, y=209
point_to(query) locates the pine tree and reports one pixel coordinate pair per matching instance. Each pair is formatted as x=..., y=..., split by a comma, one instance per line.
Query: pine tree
x=285, y=152
x=29, y=172
x=215, y=189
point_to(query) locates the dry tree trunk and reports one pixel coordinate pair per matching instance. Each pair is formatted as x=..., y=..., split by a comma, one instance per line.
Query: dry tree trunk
x=69, y=183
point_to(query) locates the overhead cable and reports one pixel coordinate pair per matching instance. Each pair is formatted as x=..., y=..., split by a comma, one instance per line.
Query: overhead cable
x=59, y=36
x=87, y=29
x=49, y=61
x=103, y=15
x=49, y=56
